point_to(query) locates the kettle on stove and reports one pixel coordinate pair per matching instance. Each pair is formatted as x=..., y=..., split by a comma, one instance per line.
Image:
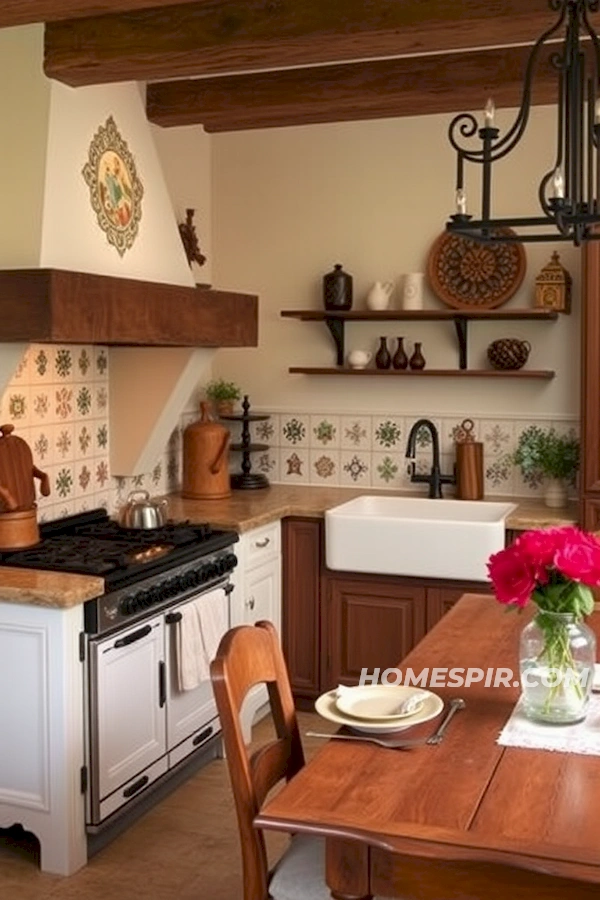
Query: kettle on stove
x=18, y=509
x=206, y=458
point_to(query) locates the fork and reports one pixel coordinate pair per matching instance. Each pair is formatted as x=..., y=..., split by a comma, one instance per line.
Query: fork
x=400, y=743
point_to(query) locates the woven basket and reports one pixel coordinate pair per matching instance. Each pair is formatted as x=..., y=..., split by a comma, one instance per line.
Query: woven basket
x=508, y=353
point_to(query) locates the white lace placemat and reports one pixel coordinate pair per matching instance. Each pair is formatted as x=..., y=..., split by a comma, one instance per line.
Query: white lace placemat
x=581, y=738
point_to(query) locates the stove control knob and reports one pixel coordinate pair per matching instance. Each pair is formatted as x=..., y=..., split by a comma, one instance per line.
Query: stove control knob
x=210, y=571
x=170, y=587
x=142, y=600
x=127, y=605
x=153, y=595
x=230, y=561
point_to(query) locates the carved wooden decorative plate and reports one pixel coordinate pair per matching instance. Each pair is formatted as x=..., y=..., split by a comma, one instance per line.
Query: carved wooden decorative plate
x=465, y=274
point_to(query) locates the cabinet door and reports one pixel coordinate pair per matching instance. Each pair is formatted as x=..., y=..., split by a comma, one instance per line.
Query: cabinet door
x=128, y=704
x=262, y=594
x=591, y=515
x=302, y=555
x=368, y=622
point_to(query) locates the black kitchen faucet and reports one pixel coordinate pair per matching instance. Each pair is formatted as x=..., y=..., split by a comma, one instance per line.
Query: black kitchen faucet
x=435, y=479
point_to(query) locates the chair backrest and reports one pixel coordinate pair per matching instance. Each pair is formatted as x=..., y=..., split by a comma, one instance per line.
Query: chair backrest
x=250, y=655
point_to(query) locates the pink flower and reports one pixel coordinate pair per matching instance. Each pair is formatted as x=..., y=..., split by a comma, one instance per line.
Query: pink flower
x=513, y=575
x=579, y=558
x=540, y=548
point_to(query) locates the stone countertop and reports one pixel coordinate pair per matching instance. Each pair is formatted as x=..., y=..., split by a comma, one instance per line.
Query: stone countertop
x=36, y=587
x=245, y=510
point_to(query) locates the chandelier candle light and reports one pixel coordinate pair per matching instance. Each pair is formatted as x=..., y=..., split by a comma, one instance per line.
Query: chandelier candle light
x=555, y=568
x=569, y=192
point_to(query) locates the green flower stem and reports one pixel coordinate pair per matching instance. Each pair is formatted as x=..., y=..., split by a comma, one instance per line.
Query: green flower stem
x=556, y=654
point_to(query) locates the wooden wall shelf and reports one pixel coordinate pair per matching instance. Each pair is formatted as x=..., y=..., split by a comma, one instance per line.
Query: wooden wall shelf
x=336, y=321
x=424, y=373
x=57, y=306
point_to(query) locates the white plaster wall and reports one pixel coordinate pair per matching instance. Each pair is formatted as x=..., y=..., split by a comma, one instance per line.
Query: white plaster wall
x=288, y=203
x=185, y=155
x=71, y=237
x=24, y=106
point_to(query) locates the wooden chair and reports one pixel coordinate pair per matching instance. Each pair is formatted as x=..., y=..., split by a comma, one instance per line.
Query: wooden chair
x=250, y=655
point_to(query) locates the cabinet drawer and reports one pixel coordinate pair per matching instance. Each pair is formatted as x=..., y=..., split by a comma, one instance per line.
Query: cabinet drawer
x=261, y=544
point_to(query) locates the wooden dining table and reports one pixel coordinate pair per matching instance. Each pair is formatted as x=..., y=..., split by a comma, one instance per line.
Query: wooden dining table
x=467, y=819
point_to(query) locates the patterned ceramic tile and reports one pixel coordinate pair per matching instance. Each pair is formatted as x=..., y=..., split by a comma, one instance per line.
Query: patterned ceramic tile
x=267, y=463
x=100, y=473
x=42, y=409
x=100, y=401
x=62, y=482
x=101, y=436
x=355, y=468
x=83, y=479
x=388, y=433
x=83, y=370
x=64, y=446
x=64, y=508
x=294, y=431
x=293, y=465
x=266, y=432
x=63, y=364
x=387, y=470
x=18, y=407
x=42, y=446
x=103, y=499
x=84, y=439
x=325, y=432
x=499, y=474
x=423, y=435
x=64, y=405
x=355, y=433
x=83, y=397
x=497, y=436
x=100, y=370
x=324, y=466
x=40, y=364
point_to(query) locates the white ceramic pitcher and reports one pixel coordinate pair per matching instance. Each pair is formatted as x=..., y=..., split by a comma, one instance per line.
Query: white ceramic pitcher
x=412, y=297
x=380, y=295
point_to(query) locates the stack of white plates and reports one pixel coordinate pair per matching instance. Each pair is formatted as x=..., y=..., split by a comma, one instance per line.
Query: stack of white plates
x=378, y=708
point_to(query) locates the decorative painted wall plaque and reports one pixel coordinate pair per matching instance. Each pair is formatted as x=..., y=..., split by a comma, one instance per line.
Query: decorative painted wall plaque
x=115, y=190
x=465, y=274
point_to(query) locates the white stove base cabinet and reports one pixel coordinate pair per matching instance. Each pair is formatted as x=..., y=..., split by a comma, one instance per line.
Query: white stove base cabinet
x=41, y=730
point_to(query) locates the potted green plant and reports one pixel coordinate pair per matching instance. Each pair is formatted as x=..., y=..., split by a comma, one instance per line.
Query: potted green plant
x=222, y=394
x=546, y=454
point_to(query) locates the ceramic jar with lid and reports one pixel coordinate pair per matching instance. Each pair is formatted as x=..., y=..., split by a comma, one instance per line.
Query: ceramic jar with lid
x=337, y=289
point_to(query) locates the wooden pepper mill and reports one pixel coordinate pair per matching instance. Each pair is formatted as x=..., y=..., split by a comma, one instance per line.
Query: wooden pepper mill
x=206, y=458
x=469, y=463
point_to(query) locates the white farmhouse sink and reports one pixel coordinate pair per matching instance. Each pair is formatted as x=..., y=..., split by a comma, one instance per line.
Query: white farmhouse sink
x=415, y=536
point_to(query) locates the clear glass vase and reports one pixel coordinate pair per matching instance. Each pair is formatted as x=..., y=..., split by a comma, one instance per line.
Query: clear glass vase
x=557, y=657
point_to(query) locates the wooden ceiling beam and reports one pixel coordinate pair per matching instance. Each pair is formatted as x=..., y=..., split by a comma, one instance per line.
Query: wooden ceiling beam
x=366, y=90
x=228, y=36
x=25, y=12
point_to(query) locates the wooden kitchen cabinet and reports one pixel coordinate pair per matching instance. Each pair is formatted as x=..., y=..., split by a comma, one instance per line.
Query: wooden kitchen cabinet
x=334, y=624
x=367, y=621
x=302, y=544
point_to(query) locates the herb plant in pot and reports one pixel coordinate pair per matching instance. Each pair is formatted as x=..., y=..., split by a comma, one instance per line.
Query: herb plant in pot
x=222, y=394
x=546, y=454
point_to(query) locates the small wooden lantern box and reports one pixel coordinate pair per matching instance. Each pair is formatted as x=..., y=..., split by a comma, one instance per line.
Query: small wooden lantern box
x=553, y=287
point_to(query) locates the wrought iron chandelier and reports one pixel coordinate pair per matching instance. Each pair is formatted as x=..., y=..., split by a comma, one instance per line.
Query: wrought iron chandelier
x=569, y=194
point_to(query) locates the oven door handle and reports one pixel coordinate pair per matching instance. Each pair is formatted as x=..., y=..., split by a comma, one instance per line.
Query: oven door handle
x=133, y=637
x=173, y=618
x=162, y=684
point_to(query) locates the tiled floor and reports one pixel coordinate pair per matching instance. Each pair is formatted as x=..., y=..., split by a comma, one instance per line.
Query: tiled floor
x=186, y=848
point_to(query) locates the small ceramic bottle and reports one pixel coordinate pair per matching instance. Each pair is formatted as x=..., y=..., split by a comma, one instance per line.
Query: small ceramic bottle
x=400, y=359
x=383, y=360
x=417, y=360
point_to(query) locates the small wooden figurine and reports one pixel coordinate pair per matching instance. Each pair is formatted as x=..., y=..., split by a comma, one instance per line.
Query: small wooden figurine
x=553, y=287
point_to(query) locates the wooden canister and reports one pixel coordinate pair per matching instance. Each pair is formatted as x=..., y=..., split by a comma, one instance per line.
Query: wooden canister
x=206, y=458
x=469, y=470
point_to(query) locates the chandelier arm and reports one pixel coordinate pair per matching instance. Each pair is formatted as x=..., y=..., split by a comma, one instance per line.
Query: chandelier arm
x=466, y=123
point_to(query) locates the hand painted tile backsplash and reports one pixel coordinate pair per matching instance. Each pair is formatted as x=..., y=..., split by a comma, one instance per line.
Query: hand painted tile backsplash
x=366, y=450
x=52, y=400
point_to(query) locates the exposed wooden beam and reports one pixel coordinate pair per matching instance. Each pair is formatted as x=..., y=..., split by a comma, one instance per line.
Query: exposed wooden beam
x=24, y=12
x=218, y=36
x=367, y=90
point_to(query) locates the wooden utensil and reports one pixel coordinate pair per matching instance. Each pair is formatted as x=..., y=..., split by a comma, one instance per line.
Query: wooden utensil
x=17, y=471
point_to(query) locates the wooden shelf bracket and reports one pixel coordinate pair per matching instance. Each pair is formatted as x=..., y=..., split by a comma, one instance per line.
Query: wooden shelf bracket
x=336, y=327
x=460, y=323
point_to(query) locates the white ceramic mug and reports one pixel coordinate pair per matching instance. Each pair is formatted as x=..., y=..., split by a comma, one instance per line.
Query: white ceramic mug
x=359, y=359
x=412, y=296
